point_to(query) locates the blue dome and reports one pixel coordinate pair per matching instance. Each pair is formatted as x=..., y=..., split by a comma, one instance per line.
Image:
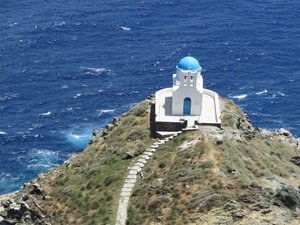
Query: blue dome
x=189, y=63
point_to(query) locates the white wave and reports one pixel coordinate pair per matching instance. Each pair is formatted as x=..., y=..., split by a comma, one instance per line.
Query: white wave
x=79, y=140
x=59, y=24
x=65, y=87
x=7, y=97
x=95, y=71
x=125, y=28
x=280, y=93
x=46, y=114
x=100, y=112
x=134, y=92
x=42, y=158
x=3, y=133
x=242, y=96
x=273, y=96
x=262, y=92
x=12, y=24
x=68, y=110
x=77, y=95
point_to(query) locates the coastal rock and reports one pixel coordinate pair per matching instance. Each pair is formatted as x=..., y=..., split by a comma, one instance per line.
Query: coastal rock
x=25, y=197
x=245, y=125
x=8, y=222
x=284, y=132
x=289, y=197
x=97, y=136
x=219, y=139
x=36, y=189
x=115, y=121
x=109, y=127
x=259, y=206
x=295, y=160
x=3, y=213
x=238, y=215
x=128, y=155
x=46, y=197
x=157, y=183
x=27, y=219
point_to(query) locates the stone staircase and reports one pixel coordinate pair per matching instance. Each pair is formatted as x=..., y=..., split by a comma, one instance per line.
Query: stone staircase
x=133, y=174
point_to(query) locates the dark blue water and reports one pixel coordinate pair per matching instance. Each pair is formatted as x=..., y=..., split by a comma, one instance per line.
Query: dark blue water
x=68, y=67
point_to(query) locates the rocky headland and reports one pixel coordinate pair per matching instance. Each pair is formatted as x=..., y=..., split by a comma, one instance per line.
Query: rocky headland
x=236, y=174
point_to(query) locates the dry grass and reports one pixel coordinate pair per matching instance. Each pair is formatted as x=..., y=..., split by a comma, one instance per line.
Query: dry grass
x=87, y=192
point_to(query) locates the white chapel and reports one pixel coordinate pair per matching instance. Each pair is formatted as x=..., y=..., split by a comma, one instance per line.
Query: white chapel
x=187, y=104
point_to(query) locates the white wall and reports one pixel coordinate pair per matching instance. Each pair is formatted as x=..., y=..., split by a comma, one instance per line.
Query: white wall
x=187, y=85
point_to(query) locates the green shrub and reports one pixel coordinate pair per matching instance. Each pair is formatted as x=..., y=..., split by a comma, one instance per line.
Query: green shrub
x=139, y=133
x=112, y=178
x=207, y=164
x=140, y=111
x=129, y=120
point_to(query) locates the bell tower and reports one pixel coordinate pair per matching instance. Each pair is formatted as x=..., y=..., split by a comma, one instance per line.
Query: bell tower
x=187, y=88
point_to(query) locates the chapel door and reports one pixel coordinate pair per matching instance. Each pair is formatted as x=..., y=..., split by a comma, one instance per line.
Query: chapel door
x=187, y=103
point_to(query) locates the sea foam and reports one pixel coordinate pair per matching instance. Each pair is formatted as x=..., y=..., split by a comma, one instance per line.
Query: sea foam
x=46, y=114
x=242, y=96
x=94, y=71
x=79, y=140
x=102, y=111
x=125, y=28
x=262, y=92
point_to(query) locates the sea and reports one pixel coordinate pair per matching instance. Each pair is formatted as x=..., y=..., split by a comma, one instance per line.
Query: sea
x=69, y=67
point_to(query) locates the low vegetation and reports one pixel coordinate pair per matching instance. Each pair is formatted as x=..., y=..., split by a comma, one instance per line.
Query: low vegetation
x=207, y=176
x=193, y=174
x=86, y=189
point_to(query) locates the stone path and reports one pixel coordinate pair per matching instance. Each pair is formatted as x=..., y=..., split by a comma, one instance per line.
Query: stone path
x=133, y=174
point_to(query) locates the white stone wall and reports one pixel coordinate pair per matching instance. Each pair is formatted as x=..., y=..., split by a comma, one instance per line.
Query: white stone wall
x=161, y=107
x=211, y=114
x=178, y=99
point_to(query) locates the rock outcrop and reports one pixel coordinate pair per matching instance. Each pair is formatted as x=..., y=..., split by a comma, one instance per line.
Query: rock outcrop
x=24, y=207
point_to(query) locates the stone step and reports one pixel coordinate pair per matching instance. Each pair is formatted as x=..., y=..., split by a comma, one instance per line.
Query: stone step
x=133, y=172
x=125, y=194
x=124, y=198
x=132, y=176
x=146, y=157
x=162, y=141
x=141, y=165
x=142, y=160
x=151, y=150
x=135, y=167
x=148, y=153
x=130, y=181
x=154, y=146
x=128, y=185
x=126, y=189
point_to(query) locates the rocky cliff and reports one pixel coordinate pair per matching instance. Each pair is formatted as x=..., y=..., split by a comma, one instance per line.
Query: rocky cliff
x=234, y=175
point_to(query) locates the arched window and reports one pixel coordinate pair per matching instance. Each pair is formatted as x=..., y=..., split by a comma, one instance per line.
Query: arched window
x=187, y=104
